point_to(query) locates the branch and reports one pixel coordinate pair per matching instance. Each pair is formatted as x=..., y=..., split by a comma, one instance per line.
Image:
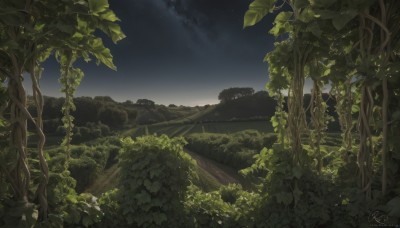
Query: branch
x=380, y=24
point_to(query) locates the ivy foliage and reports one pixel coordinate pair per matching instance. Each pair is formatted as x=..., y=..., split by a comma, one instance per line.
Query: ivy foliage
x=230, y=206
x=155, y=174
x=352, y=46
x=31, y=32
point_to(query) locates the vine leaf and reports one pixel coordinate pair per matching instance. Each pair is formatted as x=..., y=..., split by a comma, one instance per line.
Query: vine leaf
x=97, y=6
x=257, y=11
x=284, y=197
x=152, y=187
x=344, y=17
x=282, y=24
x=301, y=3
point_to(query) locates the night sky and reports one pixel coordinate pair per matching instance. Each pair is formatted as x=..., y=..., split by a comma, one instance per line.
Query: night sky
x=177, y=51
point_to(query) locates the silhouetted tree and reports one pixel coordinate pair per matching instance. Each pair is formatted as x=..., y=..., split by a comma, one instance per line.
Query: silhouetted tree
x=104, y=99
x=85, y=111
x=145, y=102
x=113, y=116
x=234, y=93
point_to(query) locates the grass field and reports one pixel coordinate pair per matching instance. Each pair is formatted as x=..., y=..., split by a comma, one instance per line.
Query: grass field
x=174, y=130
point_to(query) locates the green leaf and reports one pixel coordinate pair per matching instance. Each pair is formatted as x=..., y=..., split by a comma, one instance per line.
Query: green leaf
x=282, y=24
x=343, y=18
x=152, y=187
x=325, y=14
x=355, y=108
x=143, y=198
x=306, y=15
x=301, y=4
x=257, y=11
x=113, y=30
x=102, y=54
x=284, y=197
x=97, y=6
x=109, y=15
x=314, y=29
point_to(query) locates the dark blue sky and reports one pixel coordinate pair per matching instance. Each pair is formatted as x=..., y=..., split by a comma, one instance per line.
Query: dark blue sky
x=177, y=51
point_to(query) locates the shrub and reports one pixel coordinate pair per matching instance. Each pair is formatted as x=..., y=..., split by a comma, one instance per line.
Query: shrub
x=228, y=207
x=84, y=170
x=208, y=209
x=236, y=150
x=294, y=195
x=155, y=173
x=111, y=208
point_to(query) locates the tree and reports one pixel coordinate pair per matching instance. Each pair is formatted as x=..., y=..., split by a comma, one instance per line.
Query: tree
x=145, y=102
x=113, y=116
x=234, y=93
x=85, y=108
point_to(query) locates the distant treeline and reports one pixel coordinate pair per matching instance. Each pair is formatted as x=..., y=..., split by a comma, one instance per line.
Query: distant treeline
x=96, y=117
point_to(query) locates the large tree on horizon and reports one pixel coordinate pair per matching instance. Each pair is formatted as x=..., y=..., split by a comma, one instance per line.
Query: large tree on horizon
x=235, y=93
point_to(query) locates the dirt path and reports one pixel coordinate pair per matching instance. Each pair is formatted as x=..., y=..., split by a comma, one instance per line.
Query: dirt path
x=106, y=181
x=223, y=174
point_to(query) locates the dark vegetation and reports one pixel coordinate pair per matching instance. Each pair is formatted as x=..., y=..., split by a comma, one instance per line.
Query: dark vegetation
x=302, y=174
x=235, y=150
x=92, y=114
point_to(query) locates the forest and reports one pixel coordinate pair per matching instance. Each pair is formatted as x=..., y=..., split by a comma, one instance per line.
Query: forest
x=330, y=158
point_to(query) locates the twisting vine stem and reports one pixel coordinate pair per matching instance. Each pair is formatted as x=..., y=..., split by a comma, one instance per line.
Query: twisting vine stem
x=41, y=191
x=319, y=121
x=296, y=114
x=18, y=136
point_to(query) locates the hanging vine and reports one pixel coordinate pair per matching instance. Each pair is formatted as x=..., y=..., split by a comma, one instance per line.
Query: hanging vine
x=342, y=91
x=30, y=31
x=70, y=80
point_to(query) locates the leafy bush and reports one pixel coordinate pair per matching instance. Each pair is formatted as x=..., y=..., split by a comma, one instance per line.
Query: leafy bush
x=155, y=173
x=230, y=193
x=90, y=131
x=235, y=150
x=228, y=207
x=84, y=170
x=86, y=161
x=294, y=195
x=113, y=116
x=208, y=209
x=111, y=208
